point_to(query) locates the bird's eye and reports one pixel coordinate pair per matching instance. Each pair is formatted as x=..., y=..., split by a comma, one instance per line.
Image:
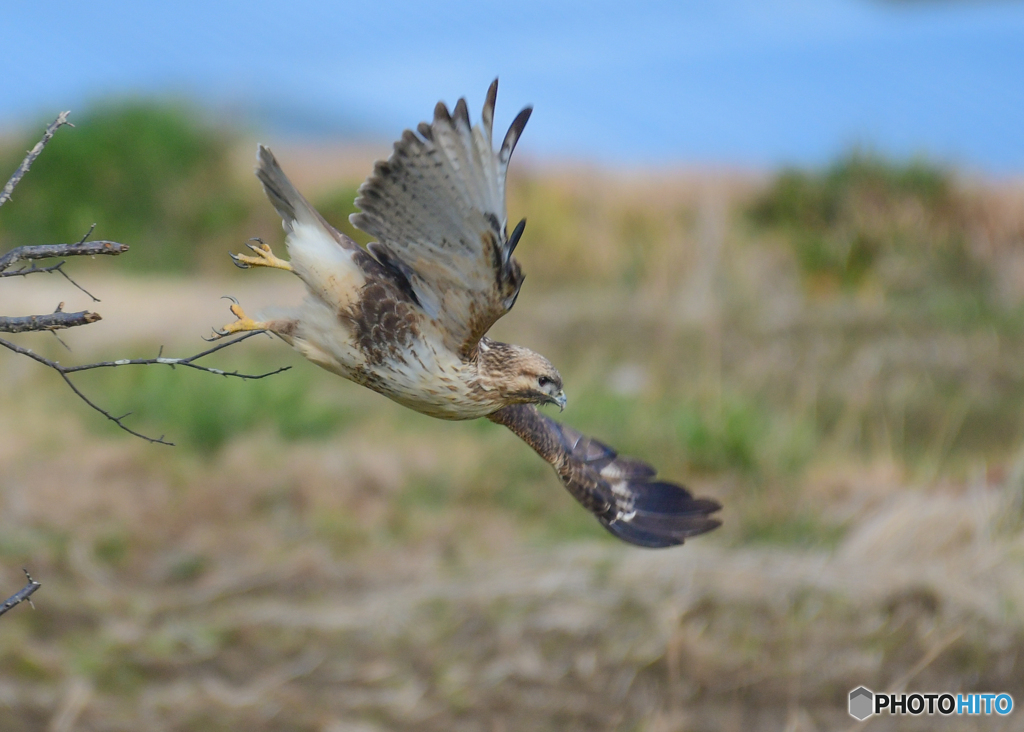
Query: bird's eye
x=544, y=381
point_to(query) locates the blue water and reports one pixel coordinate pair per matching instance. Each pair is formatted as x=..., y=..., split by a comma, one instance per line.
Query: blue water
x=734, y=82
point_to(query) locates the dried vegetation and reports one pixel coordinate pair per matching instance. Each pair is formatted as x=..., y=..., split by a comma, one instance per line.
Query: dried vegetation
x=836, y=356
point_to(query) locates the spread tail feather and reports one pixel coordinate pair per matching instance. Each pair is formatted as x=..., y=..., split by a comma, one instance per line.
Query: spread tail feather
x=292, y=206
x=331, y=264
x=285, y=197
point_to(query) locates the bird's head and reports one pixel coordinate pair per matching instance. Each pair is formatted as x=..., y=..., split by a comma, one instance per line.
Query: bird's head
x=522, y=376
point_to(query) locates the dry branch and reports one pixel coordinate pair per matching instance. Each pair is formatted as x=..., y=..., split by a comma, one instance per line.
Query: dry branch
x=58, y=319
x=81, y=248
x=5, y=194
x=21, y=595
x=189, y=361
x=47, y=251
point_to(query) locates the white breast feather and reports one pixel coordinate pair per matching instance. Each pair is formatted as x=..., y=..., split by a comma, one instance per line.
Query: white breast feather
x=327, y=269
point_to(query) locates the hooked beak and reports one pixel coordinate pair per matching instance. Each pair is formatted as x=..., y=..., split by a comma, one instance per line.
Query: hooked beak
x=560, y=400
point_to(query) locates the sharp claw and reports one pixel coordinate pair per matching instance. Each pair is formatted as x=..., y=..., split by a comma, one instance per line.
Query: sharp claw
x=238, y=262
x=256, y=238
x=229, y=297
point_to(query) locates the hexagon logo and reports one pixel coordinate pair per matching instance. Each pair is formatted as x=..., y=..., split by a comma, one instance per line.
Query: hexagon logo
x=862, y=702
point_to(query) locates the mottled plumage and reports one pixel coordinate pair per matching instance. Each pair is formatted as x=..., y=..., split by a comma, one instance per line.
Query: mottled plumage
x=407, y=316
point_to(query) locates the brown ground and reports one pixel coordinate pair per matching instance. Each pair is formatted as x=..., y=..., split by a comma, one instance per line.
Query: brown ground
x=391, y=572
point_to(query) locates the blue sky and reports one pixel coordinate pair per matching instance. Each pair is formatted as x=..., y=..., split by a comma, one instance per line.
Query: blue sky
x=747, y=83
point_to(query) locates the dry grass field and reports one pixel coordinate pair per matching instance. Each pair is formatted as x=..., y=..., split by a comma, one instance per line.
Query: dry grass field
x=839, y=360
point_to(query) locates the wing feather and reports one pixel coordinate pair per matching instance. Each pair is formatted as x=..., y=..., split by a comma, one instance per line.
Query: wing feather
x=437, y=205
x=483, y=138
x=620, y=491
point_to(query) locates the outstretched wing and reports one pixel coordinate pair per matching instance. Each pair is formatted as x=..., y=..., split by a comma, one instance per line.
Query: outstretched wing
x=620, y=491
x=437, y=210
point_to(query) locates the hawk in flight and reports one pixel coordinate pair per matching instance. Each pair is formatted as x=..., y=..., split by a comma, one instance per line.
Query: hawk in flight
x=408, y=315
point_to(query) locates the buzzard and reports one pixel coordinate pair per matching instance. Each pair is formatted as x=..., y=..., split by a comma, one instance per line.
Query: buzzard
x=408, y=315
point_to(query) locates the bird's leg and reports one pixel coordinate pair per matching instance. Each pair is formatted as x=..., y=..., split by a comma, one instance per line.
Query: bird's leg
x=263, y=257
x=243, y=324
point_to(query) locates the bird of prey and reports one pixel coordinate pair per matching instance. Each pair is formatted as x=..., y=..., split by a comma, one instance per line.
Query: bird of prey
x=408, y=315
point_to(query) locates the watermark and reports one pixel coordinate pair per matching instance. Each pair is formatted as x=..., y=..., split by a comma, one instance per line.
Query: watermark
x=864, y=703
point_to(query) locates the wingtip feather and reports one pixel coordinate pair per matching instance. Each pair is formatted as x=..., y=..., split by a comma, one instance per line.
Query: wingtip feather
x=487, y=115
x=637, y=536
x=658, y=533
x=461, y=114
x=515, y=130
x=513, y=240
x=441, y=114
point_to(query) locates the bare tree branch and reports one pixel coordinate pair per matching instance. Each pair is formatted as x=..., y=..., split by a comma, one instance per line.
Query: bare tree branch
x=54, y=321
x=80, y=248
x=58, y=319
x=189, y=362
x=160, y=359
x=5, y=194
x=46, y=251
x=25, y=593
x=43, y=251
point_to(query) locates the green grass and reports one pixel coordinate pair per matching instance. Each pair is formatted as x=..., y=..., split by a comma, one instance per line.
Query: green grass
x=336, y=206
x=112, y=548
x=202, y=412
x=738, y=432
x=342, y=532
x=854, y=342
x=150, y=174
x=889, y=280
x=866, y=219
x=791, y=529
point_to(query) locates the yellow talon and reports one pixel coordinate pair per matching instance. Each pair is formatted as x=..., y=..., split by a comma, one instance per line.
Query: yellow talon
x=264, y=257
x=243, y=324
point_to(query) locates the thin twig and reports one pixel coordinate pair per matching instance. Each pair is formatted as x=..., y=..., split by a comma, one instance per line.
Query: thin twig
x=59, y=319
x=172, y=362
x=54, y=334
x=24, y=271
x=21, y=595
x=189, y=362
x=66, y=276
x=45, y=251
x=58, y=268
x=5, y=194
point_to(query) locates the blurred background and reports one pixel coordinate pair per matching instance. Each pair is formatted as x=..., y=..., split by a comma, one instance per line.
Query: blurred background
x=776, y=249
